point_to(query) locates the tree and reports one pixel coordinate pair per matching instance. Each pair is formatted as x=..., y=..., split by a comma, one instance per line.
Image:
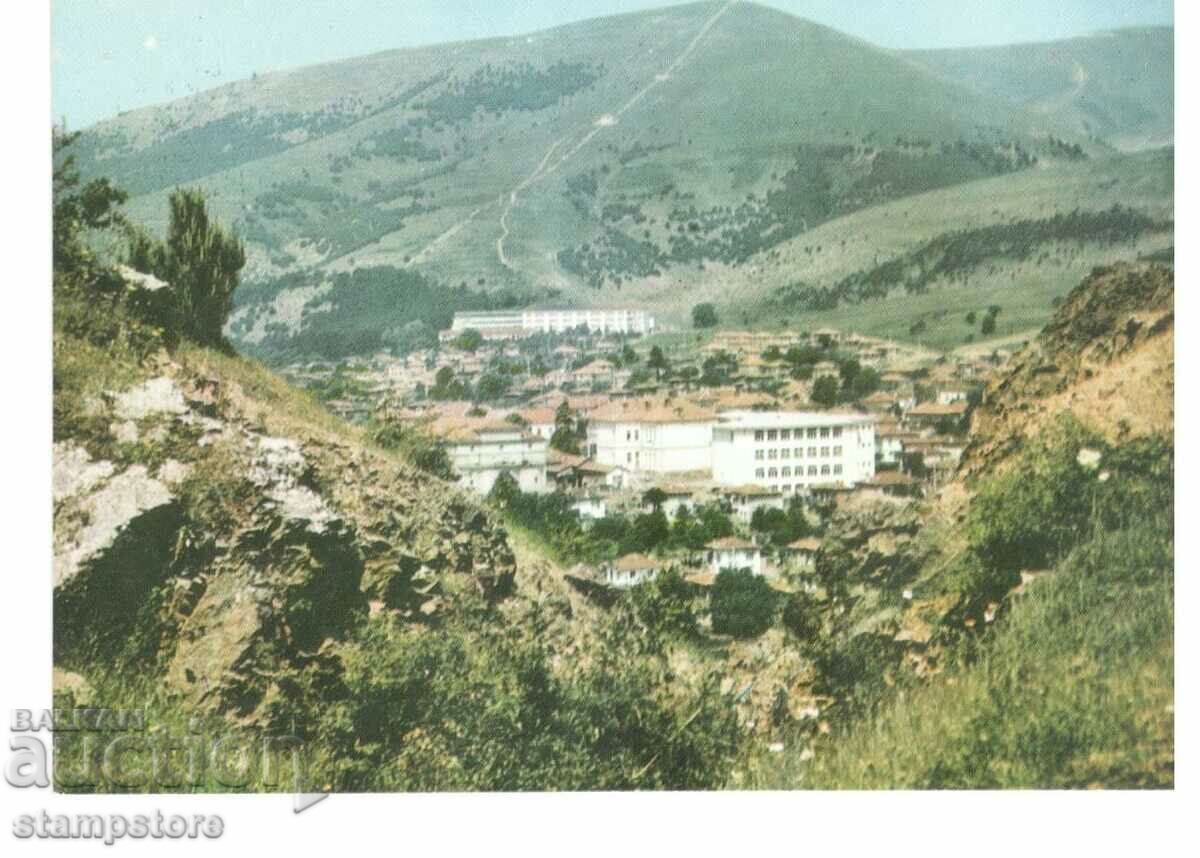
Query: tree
x=704, y=316
x=649, y=531
x=565, y=438
x=505, y=490
x=654, y=498
x=412, y=336
x=825, y=391
x=971, y=318
x=657, y=361
x=988, y=326
x=77, y=210
x=469, y=340
x=664, y=604
x=742, y=603
x=199, y=259
x=802, y=616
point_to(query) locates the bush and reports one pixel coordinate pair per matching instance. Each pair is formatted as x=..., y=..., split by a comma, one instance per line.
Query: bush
x=415, y=446
x=704, y=316
x=742, y=603
x=664, y=604
x=802, y=617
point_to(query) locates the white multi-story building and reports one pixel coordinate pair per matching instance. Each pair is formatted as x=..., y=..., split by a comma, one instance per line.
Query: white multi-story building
x=505, y=324
x=793, y=451
x=480, y=451
x=652, y=435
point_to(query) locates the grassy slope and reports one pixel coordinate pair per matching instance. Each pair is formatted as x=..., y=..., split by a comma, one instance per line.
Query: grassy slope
x=722, y=119
x=859, y=240
x=1115, y=84
x=1074, y=689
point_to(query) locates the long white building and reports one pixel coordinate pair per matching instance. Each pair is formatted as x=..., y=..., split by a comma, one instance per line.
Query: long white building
x=654, y=435
x=516, y=323
x=792, y=451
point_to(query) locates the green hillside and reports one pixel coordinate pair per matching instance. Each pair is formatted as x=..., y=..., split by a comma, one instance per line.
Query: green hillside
x=651, y=157
x=1116, y=86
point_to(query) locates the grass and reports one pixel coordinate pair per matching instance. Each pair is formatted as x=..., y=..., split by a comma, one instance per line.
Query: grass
x=1073, y=689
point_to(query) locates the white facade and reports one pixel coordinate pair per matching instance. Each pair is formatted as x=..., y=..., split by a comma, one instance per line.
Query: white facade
x=793, y=451
x=590, y=508
x=889, y=449
x=659, y=448
x=557, y=321
x=745, y=505
x=480, y=461
x=735, y=554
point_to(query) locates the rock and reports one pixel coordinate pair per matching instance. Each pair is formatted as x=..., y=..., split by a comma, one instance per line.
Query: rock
x=74, y=472
x=112, y=547
x=67, y=682
x=157, y=396
x=172, y=472
x=127, y=502
x=125, y=432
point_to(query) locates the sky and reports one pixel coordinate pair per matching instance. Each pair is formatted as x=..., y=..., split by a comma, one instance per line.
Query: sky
x=113, y=55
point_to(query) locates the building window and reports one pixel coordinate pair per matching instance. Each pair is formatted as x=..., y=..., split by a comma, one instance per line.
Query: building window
x=772, y=454
x=812, y=470
x=824, y=431
x=799, y=451
x=837, y=469
x=758, y=454
x=786, y=472
x=785, y=453
x=758, y=473
x=785, y=434
x=771, y=434
x=812, y=433
x=837, y=431
x=812, y=452
x=758, y=434
x=837, y=451
x=824, y=451
x=772, y=472
x=824, y=470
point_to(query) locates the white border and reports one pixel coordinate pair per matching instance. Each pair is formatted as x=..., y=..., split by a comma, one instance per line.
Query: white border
x=730, y=824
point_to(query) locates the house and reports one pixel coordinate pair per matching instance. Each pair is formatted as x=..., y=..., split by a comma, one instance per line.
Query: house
x=480, y=449
x=826, y=369
x=791, y=451
x=630, y=570
x=675, y=499
x=598, y=372
x=950, y=396
x=590, y=507
x=652, y=434
x=733, y=552
x=803, y=553
x=570, y=471
x=934, y=414
x=540, y=421
x=747, y=499
x=893, y=483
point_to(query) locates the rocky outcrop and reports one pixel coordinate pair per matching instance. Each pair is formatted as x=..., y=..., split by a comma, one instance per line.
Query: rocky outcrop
x=870, y=543
x=113, y=532
x=1107, y=357
x=233, y=559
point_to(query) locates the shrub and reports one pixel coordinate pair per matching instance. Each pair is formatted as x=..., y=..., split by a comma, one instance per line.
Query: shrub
x=415, y=446
x=742, y=603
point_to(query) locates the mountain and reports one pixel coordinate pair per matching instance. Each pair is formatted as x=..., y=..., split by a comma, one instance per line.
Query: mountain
x=660, y=158
x=1116, y=86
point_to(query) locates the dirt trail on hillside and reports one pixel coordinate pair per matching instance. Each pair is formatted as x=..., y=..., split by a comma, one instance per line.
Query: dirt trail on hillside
x=607, y=120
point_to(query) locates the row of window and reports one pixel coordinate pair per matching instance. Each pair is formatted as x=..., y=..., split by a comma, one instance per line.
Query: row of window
x=813, y=471
x=788, y=434
x=798, y=453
